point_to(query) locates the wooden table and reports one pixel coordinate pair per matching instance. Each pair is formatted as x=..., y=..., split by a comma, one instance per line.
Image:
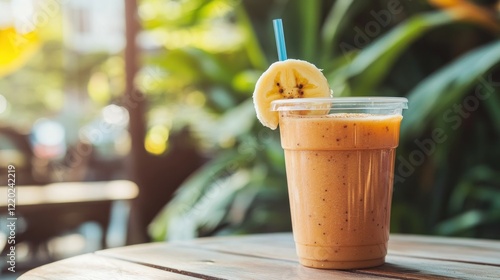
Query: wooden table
x=272, y=256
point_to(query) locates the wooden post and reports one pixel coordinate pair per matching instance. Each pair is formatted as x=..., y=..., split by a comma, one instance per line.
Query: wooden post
x=135, y=102
x=157, y=176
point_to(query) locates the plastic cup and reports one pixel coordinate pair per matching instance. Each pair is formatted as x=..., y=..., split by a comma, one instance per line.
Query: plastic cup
x=339, y=155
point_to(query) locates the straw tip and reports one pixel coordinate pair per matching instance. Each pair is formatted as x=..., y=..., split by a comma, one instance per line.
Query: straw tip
x=280, y=39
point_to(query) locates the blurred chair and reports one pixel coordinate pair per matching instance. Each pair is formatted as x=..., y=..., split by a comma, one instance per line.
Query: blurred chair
x=15, y=149
x=55, y=209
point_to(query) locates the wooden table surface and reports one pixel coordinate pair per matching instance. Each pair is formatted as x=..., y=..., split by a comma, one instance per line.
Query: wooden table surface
x=272, y=256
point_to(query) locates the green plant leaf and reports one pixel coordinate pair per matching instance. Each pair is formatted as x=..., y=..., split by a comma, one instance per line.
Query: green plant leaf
x=234, y=123
x=309, y=22
x=493, y=107
x=193, y=190
x=445, y=87
x=339, y=16
x=461, y=222
x=252, y=46
x=372, y=63
x=211, y=209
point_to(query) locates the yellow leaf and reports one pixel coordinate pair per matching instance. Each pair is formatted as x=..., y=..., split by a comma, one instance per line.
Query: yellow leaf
x=16, y=49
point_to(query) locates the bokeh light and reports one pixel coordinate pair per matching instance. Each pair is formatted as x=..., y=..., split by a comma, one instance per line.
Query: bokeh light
x=156, y=141
x=98, y=88
x=196, y=99
x=48, y=139
x=115, y=115
x=48, y=132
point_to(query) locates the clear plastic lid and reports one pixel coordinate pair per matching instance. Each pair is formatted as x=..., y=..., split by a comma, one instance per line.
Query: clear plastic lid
x=372, y=105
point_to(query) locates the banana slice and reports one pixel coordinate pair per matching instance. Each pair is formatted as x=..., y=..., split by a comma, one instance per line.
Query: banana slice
x=287, y=79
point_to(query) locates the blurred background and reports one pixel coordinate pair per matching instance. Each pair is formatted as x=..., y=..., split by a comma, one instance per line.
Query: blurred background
x=158, y=92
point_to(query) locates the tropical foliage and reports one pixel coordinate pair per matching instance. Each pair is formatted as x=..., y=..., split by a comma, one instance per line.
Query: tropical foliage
x=441, y=56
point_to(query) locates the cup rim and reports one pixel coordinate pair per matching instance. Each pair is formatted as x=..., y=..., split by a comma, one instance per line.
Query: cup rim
x=371, y=102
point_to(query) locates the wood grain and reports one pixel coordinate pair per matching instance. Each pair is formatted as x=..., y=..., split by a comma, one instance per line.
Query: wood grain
x=456, y=249
x=220, y=264
x=272, y=256
x=92, y=266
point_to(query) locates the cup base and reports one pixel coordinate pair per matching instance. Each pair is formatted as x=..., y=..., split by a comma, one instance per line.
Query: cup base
x=342, y=264
x=342, y=257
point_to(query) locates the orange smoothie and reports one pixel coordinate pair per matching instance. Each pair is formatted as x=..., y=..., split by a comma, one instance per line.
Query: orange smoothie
x=340, y=177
